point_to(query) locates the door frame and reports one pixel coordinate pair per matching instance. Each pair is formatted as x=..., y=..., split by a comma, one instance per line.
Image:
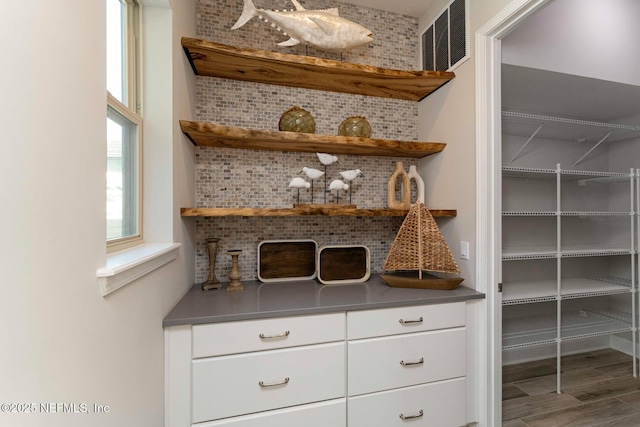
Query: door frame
x=488, y=197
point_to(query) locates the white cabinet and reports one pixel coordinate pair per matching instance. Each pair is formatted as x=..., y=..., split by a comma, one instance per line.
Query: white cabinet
x=398, y=365
x=415, y=375
x=217, y=339
x=240, y=368
x=404, y=360
x=435, y=404
x=233, y=385
x=393, y=321
x=321, y=414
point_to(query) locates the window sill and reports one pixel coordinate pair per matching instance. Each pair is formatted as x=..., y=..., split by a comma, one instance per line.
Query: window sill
x=125, y=266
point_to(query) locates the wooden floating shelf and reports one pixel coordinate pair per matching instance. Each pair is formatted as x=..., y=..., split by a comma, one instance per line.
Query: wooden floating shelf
x=212, y=135
x=218, y=60
x=302, y=211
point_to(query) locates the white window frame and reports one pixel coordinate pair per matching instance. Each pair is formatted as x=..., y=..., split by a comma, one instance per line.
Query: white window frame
x=131, y=110
x=124, y=267
x=466, y=41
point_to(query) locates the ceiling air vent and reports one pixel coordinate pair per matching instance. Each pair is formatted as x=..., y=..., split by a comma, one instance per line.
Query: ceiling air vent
x=445, y=43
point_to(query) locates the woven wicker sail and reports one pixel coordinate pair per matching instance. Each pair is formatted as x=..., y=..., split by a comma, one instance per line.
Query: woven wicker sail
x=419, y=245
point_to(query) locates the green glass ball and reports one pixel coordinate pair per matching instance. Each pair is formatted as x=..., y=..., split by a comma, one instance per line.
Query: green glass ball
x=297, y=119
x=355, y=126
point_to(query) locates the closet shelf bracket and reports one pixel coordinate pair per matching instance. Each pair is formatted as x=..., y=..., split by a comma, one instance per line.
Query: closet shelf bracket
x=593, y=148
x=526, y=143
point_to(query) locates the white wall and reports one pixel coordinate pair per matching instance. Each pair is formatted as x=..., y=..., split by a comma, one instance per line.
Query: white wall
x=448, y=116
x=591, y=38
x=61, y=341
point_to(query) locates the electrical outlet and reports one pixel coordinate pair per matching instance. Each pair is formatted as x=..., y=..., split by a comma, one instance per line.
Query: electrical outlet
x=464, y=250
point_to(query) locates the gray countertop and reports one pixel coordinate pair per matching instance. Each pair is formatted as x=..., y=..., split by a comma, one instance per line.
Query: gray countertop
x=276, y=299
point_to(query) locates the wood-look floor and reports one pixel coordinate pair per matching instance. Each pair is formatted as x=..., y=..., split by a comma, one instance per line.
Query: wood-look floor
x=598, y=389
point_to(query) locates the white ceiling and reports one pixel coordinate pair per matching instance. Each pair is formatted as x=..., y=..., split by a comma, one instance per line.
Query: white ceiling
x=558, y=94
x=414, y=8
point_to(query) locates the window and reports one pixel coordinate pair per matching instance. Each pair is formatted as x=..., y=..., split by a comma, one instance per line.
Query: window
x=124, y=126
x=445, y=43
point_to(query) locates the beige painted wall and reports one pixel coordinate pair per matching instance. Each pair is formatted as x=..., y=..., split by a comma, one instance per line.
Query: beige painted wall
x=61, y=341
x=448, y=116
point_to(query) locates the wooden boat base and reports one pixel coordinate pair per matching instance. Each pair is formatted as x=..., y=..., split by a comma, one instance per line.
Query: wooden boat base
x=410, y=279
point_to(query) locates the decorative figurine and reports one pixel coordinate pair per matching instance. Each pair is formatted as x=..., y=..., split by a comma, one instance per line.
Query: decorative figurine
x=350, y=176
x=312, y=174
x=235, y=284
x=338, y=185
x=326, y=160
x=323, y=29
x=212, y=282
x=299, y=183
x=411, y=263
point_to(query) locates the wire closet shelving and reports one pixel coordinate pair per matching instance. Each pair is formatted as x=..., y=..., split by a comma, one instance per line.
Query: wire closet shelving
x=561, y=325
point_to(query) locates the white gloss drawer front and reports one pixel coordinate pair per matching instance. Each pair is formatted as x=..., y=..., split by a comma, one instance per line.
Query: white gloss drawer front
x=227, y=386
x=323, y=414
x=439, y=404
x=266, y=334
x=402, y=320
x=378, y=364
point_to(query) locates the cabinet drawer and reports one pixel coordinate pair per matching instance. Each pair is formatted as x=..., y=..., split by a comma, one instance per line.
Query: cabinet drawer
x=442, y=405
x=227, y=386
x=402, y=360
x=391, y=321
x=254, y=335
x=323, y=414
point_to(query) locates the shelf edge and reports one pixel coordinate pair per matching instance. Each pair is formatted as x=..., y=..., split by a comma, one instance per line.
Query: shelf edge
x=285, y=69
x=272, y=212
x=213, y=135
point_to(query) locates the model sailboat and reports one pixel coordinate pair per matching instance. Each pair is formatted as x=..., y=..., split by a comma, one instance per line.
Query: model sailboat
x=419, y=247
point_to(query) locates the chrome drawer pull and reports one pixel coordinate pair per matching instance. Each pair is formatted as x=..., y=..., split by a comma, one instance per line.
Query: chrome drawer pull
x=272, y=337
x=410, y=322
x=409, y=417
x=419, y=362
x=263, y=385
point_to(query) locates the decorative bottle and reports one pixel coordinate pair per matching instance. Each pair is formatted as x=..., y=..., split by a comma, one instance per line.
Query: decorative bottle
x=414, y=175
x=405, y=189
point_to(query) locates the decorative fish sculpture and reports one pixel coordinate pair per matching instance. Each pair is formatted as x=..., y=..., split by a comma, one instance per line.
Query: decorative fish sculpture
x=323, y=29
